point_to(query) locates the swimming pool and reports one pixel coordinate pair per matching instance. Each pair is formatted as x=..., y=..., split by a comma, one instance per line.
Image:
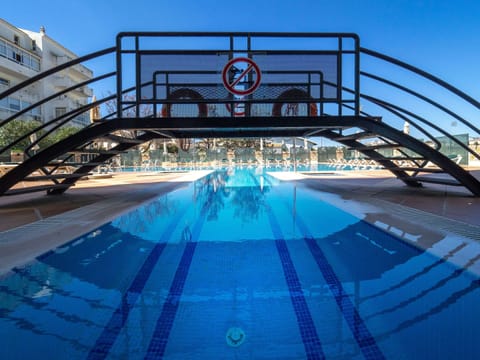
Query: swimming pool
x=238, y=265
x=346, y=165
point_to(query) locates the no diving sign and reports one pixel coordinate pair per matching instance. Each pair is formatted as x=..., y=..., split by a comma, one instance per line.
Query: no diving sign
x=239, y=71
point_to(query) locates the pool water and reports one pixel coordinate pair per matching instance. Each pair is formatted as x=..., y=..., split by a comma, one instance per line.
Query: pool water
x=238, y=265
x=272, y=166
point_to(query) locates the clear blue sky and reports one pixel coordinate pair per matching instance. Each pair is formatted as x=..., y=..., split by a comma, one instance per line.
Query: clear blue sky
x=439, y=36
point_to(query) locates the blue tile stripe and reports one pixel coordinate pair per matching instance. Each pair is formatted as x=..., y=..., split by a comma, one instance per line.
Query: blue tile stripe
x=362, y=335
x=311, y=341
x=119, y=317
x=158, y=343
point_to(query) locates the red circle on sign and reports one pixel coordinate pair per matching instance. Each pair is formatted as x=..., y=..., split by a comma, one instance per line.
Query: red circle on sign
x=231, y=86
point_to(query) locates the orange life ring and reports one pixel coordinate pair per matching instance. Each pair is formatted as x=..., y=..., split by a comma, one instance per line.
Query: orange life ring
x=185, y=93
x=292, y=94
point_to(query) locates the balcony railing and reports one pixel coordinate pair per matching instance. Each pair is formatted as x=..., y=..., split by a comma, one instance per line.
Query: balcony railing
x=17, y=54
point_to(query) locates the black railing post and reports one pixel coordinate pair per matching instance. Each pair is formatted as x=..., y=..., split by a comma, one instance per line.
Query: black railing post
x=357, y=76
x=119, y=75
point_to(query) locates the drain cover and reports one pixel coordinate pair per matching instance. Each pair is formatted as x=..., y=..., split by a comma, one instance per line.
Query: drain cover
x=235, y=336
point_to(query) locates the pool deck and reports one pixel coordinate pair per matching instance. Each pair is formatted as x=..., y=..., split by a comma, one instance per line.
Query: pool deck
x=32, y=224
x=451, y=202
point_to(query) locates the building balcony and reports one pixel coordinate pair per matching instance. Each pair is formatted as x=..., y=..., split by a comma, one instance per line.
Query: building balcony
x=62, y=82
x=84, y=91
x=15, y=69
x=80, y=72
x=5, y=113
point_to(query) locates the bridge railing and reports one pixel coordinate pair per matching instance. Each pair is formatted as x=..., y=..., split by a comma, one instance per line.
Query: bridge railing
x=178, y=91
x=420, y=103
x=247, y=72
x=50, y=128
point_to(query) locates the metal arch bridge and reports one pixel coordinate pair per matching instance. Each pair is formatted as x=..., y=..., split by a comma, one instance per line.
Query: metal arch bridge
x=213, y=85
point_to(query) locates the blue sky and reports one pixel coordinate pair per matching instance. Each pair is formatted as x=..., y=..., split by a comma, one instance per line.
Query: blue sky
x=439, y=36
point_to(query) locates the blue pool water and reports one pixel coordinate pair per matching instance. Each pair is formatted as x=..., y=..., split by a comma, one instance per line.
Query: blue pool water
x=239, y=266
x=271, y=167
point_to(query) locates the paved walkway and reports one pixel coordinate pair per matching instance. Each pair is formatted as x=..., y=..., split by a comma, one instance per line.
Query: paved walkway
x=447, y=201
x=32, y=224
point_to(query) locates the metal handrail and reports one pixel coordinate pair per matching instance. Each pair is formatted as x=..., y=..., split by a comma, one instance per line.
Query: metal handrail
x=53, y=96
x=422, y=97
x=401, y=116
x=70, y=115
x=423, y=73
x=435, y=80
x=389, y=107
x=423, y=125
x=54, y=70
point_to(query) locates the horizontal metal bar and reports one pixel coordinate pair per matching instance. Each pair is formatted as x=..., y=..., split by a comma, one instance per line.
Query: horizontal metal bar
x=425, y=74
x=228, y=52
x=55, y=95
x=246, y=101
x=238, y=34
x=213, y=72
x=54, y=70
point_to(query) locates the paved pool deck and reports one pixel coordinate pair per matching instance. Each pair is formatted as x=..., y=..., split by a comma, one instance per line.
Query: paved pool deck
x=32, y=224
x=451, y=202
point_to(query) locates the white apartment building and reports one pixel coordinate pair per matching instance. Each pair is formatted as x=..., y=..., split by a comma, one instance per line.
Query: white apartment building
x=25, y=53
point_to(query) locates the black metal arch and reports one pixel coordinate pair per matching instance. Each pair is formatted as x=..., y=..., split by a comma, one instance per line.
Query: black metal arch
x=424, y=74
x=350, y=128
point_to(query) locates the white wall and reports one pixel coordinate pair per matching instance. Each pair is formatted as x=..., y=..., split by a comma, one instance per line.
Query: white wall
x=39, y=45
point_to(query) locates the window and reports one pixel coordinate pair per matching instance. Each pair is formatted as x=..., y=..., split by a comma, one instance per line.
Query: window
x=25, y=104
x=34, y=45
x=14, y=104
x=16, y=39
x=35, y=64
x=10, y=52
x=16, y=54
x=3, y=48
x=4, y=82
x=59, y=111
x=36, y=111
x=26, y=61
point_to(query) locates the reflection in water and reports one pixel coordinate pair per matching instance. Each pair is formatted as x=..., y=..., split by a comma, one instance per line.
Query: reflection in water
x=359, y=244
x=247, y=202
x=230, y=188
x=448, y=301
x=243, y=195
x=414, y=276
x=425, y=237
x=22, y=307
x=186, y=234
x=439, y=284
x=141, y=218
x=210, y=194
